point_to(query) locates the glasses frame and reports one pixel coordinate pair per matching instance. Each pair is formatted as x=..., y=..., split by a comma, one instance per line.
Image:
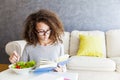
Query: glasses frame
x=41, y=33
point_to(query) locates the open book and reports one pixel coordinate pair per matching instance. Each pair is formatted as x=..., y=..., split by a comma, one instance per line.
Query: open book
x=47, y=66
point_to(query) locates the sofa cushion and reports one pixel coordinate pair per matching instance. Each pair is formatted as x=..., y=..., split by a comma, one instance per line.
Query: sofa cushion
x=74, y=40
x=113, y=43
x=66, y=39
x=90, y=46
x=91, y=63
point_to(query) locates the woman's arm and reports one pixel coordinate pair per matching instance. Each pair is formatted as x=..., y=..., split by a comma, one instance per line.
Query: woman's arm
x=61, y=68
x=24, y=56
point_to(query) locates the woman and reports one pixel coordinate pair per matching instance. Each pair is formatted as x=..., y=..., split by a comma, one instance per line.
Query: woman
x=43, y=31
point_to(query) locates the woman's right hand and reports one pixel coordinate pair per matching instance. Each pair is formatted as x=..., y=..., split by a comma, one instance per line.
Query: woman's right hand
x=14, y=57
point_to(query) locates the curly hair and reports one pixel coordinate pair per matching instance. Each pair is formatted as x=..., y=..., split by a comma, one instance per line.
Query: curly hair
x=47, y=17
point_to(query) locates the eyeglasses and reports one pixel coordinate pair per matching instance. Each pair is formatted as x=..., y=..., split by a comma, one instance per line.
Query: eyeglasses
x=42, y=32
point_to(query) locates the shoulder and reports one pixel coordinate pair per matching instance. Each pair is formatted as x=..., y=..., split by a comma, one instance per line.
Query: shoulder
x=28, y=46
x=59, y=45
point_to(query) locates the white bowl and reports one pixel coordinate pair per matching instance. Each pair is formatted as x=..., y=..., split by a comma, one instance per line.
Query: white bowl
x=20, y=71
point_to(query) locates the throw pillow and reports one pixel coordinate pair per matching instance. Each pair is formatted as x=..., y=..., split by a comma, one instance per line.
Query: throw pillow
x=90, y=46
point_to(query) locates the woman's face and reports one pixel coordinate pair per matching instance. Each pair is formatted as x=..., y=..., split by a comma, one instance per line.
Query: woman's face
x=43, y=31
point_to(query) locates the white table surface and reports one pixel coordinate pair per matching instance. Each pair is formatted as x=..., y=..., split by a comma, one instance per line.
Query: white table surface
x=10, y=75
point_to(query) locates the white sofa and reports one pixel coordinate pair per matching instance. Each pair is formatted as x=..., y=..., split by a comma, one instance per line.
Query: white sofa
x=89, y=68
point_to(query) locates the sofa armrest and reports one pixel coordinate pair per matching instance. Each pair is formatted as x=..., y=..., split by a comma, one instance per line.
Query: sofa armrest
x=17, y=46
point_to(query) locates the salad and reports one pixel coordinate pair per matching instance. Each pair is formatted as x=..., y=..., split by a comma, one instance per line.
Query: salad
x=22, y=64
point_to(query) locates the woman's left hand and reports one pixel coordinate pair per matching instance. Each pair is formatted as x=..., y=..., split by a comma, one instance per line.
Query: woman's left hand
x=58, y=69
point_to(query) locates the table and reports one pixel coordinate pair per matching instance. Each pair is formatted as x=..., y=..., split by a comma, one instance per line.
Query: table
x=3, y=67
x=10, y=75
